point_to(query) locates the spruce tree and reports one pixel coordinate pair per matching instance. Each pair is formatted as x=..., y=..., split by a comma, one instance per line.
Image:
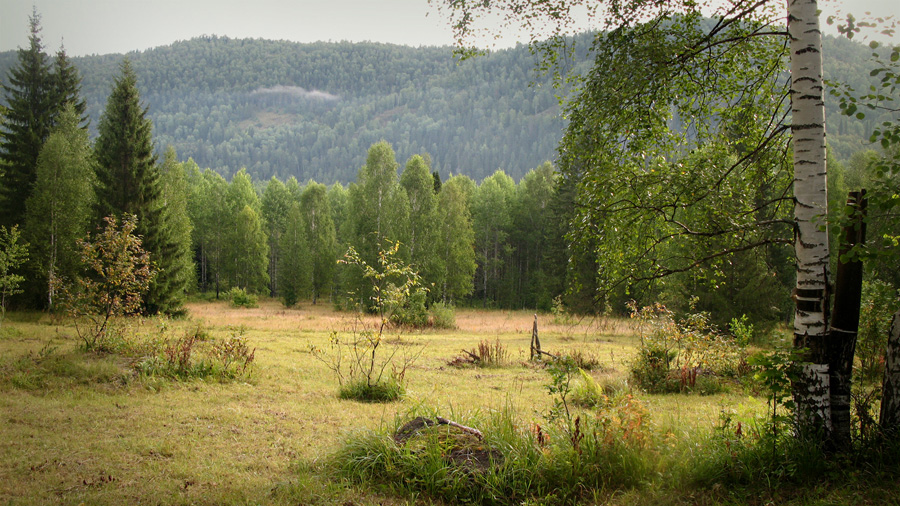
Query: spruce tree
x=129, y=182
x=170, y=286
x=66, y=87
x=26, y=125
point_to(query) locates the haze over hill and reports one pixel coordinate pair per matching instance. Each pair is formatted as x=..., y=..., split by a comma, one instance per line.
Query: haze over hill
x=286, y=109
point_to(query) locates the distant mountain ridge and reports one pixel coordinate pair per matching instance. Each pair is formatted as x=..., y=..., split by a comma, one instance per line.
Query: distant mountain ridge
x=287, y=109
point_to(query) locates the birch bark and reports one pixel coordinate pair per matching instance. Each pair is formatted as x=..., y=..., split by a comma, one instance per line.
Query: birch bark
x=811, y=236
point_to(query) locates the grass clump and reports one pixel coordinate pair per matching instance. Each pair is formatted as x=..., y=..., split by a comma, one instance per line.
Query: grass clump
x=386, y=390
x=194, y=355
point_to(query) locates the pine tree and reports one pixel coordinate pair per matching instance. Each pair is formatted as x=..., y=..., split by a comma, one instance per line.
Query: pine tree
x=26, y=125
x=59, y=209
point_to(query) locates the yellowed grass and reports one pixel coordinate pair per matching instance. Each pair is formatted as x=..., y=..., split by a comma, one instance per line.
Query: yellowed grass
x=166, y=442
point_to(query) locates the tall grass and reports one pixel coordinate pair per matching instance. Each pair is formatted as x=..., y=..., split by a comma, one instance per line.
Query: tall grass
x=556, y=463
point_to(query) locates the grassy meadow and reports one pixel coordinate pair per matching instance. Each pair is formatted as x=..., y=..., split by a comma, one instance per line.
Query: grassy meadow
x=84, y=428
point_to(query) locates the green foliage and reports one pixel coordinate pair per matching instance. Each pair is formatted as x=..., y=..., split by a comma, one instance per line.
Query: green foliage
x=517, y=463
x=356, y=361
x=240, y=298
x=443, y=316
x=741, y=330
x=388, y=389
x=322, y=237
x=27, y=120
x=118, y=273
x=682, y=355
x=172, y=255
x=562, y=371
x=776, y=371
x=13, y=254
x=295, y=269
x=59, y=211
x=455, y=255
x=879, y=302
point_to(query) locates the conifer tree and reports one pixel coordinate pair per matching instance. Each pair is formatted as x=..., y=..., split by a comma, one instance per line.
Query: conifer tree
x=129, y=183
x=169, y=288
x=26, y=125
x=59, y=209
x=67, y=87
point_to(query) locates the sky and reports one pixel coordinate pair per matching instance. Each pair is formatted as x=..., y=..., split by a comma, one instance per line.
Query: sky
x=87, y=27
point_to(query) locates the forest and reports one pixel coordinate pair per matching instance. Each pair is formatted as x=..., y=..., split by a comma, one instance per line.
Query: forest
x=211, y=240
x=237, y=123
x=311, y=111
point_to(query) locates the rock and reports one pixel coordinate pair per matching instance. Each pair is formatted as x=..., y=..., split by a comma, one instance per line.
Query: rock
x=462, y=446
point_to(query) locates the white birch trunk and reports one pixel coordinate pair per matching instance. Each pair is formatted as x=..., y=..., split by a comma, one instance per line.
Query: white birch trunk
x=811, y=241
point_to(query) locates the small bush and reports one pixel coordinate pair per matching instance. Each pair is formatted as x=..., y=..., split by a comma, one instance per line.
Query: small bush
x=684, y=355
x=240, y=298
x=443, y=316
x=410, y=311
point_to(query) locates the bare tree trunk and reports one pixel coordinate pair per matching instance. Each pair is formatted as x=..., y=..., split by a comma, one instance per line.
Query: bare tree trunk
x=889, y=417
x=845, y=323
x=811, y=391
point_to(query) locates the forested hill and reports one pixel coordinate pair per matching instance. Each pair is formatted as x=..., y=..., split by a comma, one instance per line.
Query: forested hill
x=311, y=110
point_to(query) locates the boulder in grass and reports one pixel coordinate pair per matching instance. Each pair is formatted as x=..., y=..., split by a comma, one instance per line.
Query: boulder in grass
x=461, y=445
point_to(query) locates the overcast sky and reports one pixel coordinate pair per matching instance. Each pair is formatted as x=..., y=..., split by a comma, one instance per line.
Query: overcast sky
x=119, y=26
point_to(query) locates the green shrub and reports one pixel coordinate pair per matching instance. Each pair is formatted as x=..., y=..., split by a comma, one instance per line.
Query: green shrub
x=410, y=311
x=240, y=298
x=879, y=302
x=683, y=355
x=443, y=316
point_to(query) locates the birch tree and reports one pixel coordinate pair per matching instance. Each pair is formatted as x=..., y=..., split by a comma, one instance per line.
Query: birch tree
x=58, y=212
x=666, y=79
